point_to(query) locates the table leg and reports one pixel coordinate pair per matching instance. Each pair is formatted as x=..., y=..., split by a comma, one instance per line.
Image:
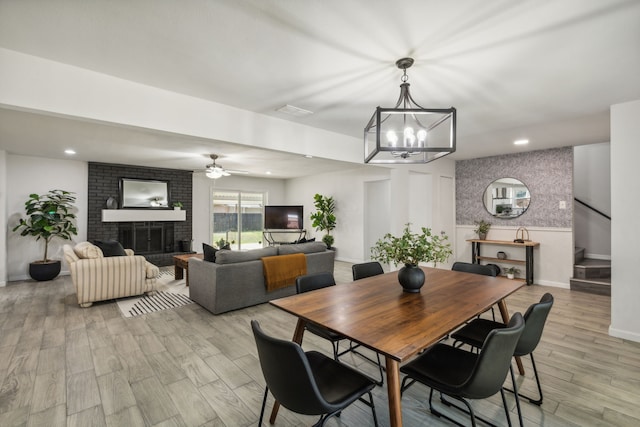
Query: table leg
x=393, y=391
x=178, y=272
x=297, y=337
x=502, y=305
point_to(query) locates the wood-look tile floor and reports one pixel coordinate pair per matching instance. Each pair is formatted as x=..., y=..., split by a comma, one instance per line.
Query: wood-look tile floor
x=64, y=365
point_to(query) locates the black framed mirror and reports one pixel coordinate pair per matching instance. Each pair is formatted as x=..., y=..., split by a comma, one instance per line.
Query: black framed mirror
x=506, y=198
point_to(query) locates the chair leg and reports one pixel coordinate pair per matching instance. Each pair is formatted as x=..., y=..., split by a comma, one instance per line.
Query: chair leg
x=353, y=349
x=506, y=410
x=264, y=404
x=535, y=374
x=515, y=388
x=405, y=386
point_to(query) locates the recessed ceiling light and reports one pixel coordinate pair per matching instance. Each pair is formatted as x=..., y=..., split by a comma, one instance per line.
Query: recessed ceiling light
x=308, y=156
x=69, y=151
x=294, y=111
x=268, y=172
x=521, y=142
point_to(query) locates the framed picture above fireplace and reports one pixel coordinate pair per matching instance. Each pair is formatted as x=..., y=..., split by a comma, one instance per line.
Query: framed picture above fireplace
x=144, y=194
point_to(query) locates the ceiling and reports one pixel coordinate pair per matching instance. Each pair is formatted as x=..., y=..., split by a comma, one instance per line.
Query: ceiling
x=543, y=70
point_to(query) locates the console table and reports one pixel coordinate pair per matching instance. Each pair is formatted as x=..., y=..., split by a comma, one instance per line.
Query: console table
x=528, y=246
x=268, y=236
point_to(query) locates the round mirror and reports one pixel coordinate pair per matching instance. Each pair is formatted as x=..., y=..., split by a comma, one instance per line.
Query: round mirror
x=506, y=198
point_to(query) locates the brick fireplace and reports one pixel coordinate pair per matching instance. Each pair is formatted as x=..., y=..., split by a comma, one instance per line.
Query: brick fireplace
x=158, y=241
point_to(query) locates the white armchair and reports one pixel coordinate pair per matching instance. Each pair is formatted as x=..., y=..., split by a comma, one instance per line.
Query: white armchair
x=99, y=278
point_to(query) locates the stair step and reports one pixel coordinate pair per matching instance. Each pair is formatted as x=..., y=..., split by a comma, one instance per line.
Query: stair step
x=578, y=255
x=600, y=286
x=592, y=269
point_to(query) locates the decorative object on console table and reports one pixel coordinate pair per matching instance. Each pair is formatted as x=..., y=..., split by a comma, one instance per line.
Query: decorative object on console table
x=410, y=249
x=522, y=235
x=482, y=228
x=511, y=272
x=49, y=215
x=501, y=255
x=324, y=219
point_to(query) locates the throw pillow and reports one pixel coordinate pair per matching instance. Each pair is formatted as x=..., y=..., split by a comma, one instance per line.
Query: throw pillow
x=110, y=247
x=209, y=252
x=87, y=250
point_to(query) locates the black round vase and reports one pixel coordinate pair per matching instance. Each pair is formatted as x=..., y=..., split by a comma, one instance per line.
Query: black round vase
x=411, y=277
x=43, y=271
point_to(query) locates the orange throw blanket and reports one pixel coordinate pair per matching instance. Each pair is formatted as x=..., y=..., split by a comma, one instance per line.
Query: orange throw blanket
x=281, y=271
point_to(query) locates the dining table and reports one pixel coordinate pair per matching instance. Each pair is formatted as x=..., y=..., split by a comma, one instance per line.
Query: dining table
x=376, y=313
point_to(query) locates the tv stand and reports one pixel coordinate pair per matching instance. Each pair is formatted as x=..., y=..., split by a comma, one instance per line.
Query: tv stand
x=268, y=236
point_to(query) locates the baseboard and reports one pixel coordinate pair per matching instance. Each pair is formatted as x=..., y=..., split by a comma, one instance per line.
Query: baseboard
x=597, y=256
x=2, y=284
x=619, y=333
x=27, y=277
x=553, y=284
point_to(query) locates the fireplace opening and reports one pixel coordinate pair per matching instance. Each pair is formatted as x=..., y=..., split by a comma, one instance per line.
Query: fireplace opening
x=147, y=237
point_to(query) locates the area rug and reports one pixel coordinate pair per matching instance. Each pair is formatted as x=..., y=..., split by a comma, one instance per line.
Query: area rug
x=171, y=294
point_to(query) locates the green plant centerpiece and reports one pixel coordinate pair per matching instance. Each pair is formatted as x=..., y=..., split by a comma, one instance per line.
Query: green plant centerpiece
x=410, y=249
x=49, y=215
x=482, y=228
x=324, y=218
x=177, y=205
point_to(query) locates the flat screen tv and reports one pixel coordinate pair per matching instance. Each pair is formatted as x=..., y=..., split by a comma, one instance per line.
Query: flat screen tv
x=144, y=193
x=283, y=217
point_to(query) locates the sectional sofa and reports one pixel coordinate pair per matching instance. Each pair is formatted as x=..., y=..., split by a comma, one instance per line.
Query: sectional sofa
x=236, y=279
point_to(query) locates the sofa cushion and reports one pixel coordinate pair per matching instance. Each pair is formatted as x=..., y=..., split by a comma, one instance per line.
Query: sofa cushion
x=110, y=247
x=305, y=248
x=209, y=253
x=224, y=256
x=87, y=250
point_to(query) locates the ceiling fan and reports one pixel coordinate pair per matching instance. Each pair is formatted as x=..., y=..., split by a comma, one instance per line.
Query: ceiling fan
x=215, y=171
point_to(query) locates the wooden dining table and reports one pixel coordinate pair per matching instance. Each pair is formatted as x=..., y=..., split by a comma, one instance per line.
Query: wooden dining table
x=376, y=313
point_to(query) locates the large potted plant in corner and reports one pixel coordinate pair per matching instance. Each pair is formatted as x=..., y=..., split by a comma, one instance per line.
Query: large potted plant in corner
x=324, y=218
x=49, y=215
x=410, y=249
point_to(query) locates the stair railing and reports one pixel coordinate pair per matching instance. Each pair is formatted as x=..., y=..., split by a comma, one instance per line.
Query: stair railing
x=592, y=208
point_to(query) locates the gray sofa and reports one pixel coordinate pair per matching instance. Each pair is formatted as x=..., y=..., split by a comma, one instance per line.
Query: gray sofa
x=236, y=279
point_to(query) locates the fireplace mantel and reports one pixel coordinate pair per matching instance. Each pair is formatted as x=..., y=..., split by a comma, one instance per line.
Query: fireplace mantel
x=135, y=215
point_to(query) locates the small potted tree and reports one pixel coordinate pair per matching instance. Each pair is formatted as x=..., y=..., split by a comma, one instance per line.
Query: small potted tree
x=324, y=219
x=48, y=216
x=410, y=249
x=482, y=228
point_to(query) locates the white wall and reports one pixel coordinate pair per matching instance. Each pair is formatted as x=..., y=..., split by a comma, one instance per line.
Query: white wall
x=202, y=200
x=592, y=185
x=625, y=226
x=3, y=218
x=26, y=175
x=348, y=189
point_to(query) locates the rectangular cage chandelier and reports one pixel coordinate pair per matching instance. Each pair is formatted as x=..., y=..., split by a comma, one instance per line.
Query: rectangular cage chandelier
x=409, y=133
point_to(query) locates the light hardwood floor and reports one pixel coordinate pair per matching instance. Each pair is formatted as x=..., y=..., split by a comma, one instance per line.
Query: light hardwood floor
x=64, y=365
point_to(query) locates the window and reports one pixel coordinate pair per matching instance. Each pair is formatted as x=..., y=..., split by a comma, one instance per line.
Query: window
x=237, y=218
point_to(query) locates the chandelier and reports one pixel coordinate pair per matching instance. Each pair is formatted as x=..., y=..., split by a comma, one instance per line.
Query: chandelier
x=409, y=133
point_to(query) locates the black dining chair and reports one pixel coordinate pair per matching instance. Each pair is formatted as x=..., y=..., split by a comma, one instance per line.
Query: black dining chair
x=366, y=269
x=464, y=375
x=312, y=282
x=485, y=270
x=475, y=332
x=308, y=383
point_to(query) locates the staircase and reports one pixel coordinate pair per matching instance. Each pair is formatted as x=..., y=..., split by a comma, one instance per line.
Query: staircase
x=590, y=275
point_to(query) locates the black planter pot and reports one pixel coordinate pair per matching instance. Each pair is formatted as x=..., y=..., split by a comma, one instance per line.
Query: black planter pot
x=411, y=277
x=43, y=271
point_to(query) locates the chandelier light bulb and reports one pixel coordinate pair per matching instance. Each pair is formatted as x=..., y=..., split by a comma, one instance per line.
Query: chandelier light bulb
x=392, y=138
x=422, y=136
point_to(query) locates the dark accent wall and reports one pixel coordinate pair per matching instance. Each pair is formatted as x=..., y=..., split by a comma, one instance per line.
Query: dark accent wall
x=104, y=181
x=547, y=173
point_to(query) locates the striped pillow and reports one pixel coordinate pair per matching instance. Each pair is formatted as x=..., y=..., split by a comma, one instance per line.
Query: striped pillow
x=87, y=250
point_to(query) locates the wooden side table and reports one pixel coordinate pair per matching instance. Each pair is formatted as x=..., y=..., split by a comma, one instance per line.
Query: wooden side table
x=181, y=263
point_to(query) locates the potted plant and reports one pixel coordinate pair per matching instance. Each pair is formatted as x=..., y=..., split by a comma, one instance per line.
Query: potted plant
x=482, y=228
x=511, y=272
x=410, y=249
x=324, y=219
x=48, y=216
x=177, y=206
